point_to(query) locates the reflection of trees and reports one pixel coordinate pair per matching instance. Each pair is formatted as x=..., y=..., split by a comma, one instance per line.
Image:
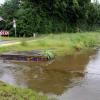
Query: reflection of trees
x=51, y=81
x=56, y=77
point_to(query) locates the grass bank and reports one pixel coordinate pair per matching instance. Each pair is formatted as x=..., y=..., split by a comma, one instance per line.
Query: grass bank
x=61, y=43
x=11, y=93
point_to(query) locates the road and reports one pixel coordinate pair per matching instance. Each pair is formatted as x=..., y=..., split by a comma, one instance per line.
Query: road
x=12, y=42
x=6, y=43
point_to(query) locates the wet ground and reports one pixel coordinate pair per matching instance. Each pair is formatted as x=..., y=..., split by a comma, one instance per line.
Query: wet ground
x=70, y=77
x=6, y=41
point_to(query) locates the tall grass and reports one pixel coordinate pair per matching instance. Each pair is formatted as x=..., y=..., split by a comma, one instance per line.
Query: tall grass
x=14, y=93
x=63, y=42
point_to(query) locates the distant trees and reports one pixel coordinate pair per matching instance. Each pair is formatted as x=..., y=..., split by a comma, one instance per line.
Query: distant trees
x=50, y=16
x=8, y=12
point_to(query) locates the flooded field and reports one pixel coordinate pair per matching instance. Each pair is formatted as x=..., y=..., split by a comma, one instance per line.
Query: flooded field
x=69, y=77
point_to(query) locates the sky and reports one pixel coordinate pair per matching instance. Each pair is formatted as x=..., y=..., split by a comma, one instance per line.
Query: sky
x=95, y=0
x=2, y=1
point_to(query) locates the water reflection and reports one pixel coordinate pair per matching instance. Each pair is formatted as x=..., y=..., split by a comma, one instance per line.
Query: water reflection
x=90, y=85
x=63, y=78
x=57, y=76
x=10, y=73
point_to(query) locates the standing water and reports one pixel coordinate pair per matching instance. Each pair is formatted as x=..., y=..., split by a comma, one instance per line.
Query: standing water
x=71, y=77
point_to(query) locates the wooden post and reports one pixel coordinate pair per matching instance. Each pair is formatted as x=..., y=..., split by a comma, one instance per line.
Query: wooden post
x=34, y=35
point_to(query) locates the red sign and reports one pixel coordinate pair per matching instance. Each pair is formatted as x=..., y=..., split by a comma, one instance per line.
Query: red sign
x=4, y=32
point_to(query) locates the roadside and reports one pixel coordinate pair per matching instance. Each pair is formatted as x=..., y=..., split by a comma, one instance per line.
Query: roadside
x=63, y=43
x=7, y=41
x=8, y=92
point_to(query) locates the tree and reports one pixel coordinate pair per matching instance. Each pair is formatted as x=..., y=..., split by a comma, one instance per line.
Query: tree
x=49, y=16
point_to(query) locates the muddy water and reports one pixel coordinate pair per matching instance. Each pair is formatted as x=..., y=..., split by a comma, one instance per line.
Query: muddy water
x=70, y=77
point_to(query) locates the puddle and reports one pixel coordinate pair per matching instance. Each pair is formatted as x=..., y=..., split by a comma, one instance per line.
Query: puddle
x=70, y=77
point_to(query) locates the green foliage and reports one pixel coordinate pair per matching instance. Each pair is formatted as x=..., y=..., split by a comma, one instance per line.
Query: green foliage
x=49, y=16
x=23, y=43
x=58, y=43
x=13, y=93
x=48, y=53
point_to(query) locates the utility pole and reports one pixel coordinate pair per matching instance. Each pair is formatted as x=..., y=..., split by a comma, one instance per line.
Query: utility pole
x=14, y=25
x=96, y=1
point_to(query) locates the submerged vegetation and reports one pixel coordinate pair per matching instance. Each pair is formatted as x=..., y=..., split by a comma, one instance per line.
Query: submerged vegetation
x=11, y=93
x=58, y=43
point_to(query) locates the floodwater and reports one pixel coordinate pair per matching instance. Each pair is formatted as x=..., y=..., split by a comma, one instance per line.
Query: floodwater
x=69, y=77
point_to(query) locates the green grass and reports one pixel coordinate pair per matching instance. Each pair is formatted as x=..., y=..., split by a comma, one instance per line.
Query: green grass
x=61, y=43
x=10, y=38
x=12, y=93
x=19, y=38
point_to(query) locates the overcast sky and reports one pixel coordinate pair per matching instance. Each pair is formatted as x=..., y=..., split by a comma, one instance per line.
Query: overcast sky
x=95, y=0
x=2, y=1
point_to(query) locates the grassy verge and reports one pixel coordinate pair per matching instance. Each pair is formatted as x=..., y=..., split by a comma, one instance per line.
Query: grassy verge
x=11, y=93
x=19, y=38
x=61, y=43
x=11, y=38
